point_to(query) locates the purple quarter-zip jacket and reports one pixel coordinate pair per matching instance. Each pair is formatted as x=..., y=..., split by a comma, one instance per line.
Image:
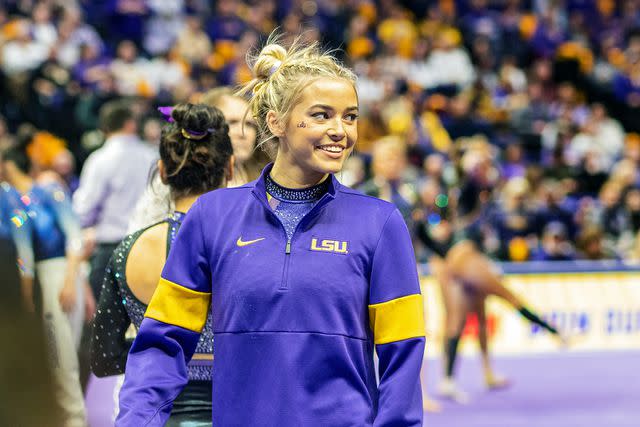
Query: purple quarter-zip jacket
x=295, y=321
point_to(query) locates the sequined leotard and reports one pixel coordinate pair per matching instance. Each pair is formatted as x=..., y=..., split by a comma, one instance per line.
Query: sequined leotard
x=289, y=205
x=119, y=307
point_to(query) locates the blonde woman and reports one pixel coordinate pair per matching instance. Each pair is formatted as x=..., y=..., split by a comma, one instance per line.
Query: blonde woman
x=305, y=277
x=243, y=132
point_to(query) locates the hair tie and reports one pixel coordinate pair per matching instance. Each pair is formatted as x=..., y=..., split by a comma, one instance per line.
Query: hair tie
x=187, y=133
x=192, y=134
x=275, y=68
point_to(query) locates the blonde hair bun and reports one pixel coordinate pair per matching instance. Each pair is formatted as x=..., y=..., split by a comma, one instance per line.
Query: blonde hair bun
x=269, y=59
x=281, y=75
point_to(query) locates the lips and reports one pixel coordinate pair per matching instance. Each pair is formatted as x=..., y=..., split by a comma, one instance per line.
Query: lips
x=331, y=148
x=331, y=151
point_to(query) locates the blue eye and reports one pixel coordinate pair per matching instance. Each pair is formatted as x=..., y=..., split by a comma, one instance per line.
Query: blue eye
x=320, y=115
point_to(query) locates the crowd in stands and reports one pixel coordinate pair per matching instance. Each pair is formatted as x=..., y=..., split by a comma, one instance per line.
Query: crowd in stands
x=517, y=119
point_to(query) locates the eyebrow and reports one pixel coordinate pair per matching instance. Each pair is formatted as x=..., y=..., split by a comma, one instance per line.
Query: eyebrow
x=328, y=107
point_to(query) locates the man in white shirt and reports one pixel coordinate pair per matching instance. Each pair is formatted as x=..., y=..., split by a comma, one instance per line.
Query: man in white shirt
x=112, y=180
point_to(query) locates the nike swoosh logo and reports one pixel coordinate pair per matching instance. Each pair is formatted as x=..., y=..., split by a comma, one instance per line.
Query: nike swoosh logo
x=240, y=243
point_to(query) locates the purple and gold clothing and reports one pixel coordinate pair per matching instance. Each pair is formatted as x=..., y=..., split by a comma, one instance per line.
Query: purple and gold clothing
x=296, y=320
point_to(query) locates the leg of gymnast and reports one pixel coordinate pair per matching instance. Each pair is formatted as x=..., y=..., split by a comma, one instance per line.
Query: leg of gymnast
x=456, y=307
x=475, y=270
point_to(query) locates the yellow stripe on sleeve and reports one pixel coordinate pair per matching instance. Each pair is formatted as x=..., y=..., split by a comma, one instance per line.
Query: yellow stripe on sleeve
x=398, y=319
x=180, y=306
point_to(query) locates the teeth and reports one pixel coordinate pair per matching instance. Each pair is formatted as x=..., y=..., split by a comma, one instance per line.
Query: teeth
x=332, y=148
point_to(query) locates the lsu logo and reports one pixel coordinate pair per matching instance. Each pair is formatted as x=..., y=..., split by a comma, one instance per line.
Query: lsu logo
x=329, y=246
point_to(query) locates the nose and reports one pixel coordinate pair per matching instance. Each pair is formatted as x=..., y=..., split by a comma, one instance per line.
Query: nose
x=337, y=132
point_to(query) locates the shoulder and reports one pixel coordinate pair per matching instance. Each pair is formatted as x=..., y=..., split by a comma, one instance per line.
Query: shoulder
x=133, y=145
x=97, y=154
x=365, y=215
x=95, y=161
x=364, y=203
x=149, y=235
x=11, y=196
x=145, y=245
x=51, y=188
x=7, y=189
x=225, y=196
x=144, y=256
x=149, y=238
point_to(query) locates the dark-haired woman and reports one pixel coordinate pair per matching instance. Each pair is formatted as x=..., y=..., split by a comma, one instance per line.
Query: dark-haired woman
x=57, y=247
x=195, y=158
x=156, y=203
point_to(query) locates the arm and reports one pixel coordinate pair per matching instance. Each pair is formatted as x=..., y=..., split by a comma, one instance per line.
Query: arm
x=60, y=204
x=27, y=266
x=22, y=239
x=22, y=236
x=109, y=347
x=157, y=365
x=397, y=321
x=91, y=192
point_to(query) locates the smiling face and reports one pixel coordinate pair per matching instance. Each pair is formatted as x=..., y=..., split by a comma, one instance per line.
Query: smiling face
x=319, y=134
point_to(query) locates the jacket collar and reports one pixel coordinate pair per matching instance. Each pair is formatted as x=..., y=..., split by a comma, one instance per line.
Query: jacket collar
x=260, y=189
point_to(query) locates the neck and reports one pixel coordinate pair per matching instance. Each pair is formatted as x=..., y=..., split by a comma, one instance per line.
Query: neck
x=293, y=176
x=22, y=183
x=183, y=204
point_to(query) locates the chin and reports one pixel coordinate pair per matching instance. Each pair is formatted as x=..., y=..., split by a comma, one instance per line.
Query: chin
x=330, y=167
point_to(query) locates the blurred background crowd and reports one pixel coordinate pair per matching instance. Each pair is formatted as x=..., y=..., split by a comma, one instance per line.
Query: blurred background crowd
x=516, y=120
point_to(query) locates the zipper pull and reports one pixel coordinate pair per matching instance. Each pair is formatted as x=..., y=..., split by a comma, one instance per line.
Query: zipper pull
x=288, y=248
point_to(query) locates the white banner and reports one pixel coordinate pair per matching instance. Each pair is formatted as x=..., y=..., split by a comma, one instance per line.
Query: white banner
x=599, y=310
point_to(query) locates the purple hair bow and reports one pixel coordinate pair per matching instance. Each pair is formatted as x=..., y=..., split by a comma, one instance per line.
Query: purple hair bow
x=166, y=112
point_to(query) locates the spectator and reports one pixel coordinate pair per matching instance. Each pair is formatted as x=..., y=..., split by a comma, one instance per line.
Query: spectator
x=112, y=179
x=390, y=181
x=555, y=245
x=23, y=53
x=192, y=44
x=591, y=246
x=558, y=79
x=129, y=70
